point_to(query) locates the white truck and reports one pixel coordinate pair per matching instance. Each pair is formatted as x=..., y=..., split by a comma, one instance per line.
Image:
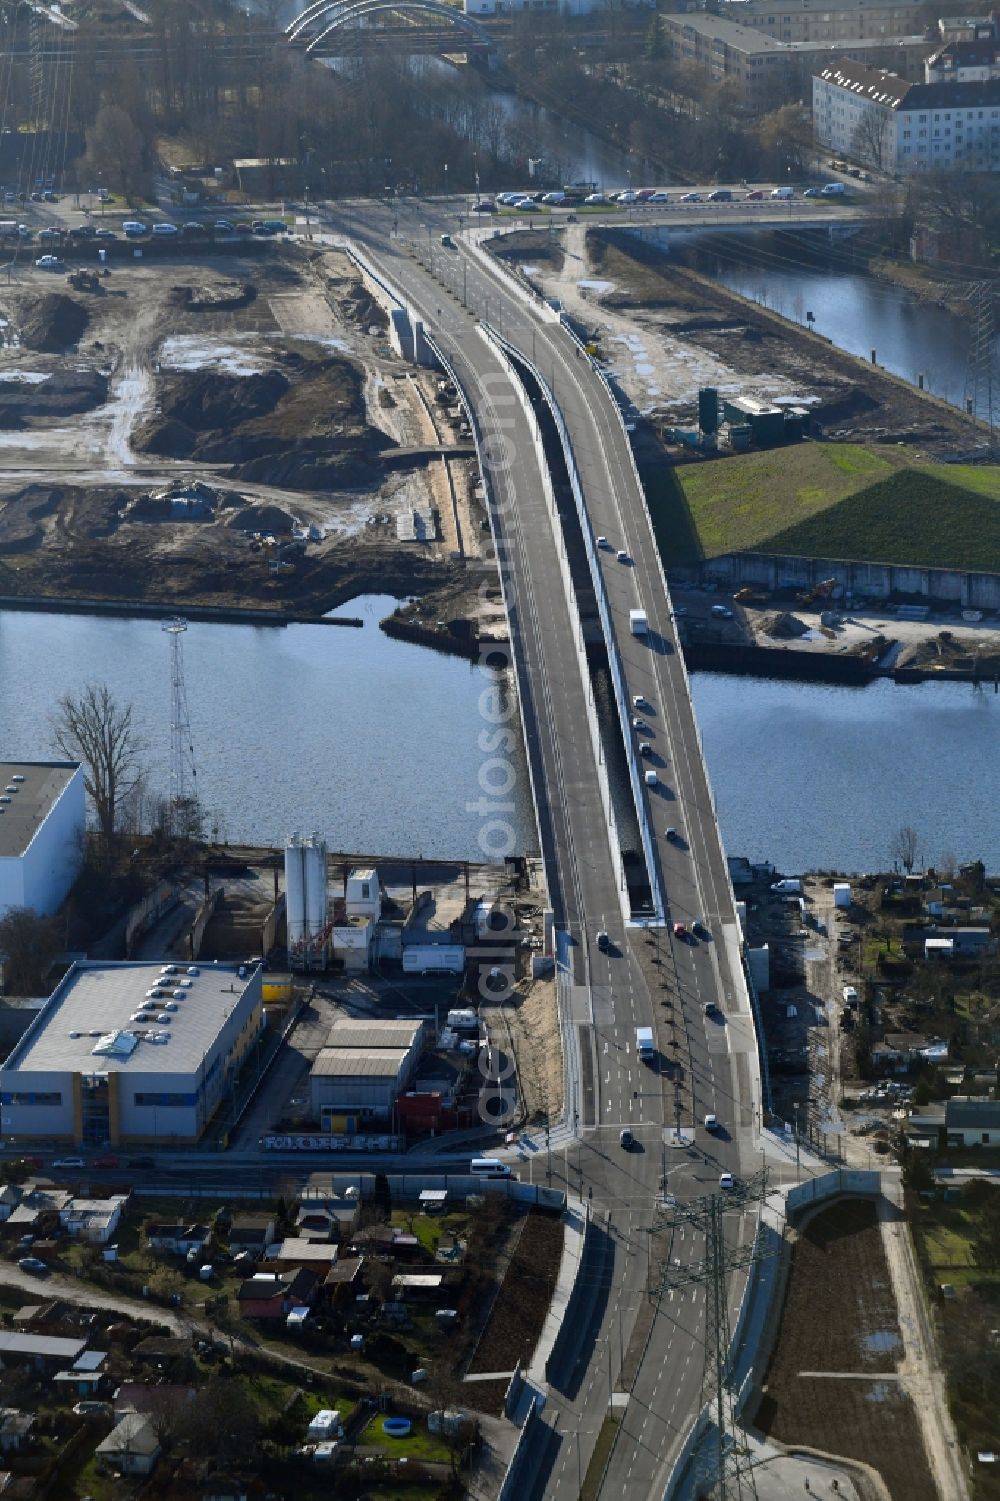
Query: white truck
x=644, y=1044
x=638, y=624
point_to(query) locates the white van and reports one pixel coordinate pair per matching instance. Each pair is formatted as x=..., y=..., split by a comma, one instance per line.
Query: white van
x=833, y=190
x=489, y=1167
x=783, y=193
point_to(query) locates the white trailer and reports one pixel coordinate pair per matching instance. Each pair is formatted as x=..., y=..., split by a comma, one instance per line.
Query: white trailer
x=638, y=623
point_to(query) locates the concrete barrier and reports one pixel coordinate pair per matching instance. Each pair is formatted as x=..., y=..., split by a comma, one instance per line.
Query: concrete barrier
x=576, y=1223
x=196, y=937
x=145, y=913
x=968, y=591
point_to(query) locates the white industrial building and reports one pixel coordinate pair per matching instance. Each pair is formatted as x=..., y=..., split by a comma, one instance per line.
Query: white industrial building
x=42, y=822
x=902, y=128
x=356, y=917
x=123, y=1054
x=364, y=1066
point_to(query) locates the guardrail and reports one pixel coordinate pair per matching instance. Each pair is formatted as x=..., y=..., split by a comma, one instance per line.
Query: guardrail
x=506, y=353
x=610, y=637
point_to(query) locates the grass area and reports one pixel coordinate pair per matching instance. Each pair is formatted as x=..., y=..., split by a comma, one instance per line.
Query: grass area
x=418, y=1443
x=943, y=1229
x=432, y=1229
x=591, y=1487
x=830, y=500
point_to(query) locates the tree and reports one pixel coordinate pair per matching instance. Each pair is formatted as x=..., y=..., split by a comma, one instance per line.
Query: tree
x=115, y=147
x=28, y=945
x=986, y=1233
x=95, y=729
x=905, y=847
x=872, y=136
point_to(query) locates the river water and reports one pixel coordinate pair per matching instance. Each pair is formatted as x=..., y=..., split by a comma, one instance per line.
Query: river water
x=371, y=741
x=795, y=274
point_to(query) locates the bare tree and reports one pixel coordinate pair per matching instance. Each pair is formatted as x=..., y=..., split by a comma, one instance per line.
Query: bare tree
x=28, y=945
x=871, y=138
x=115, y=146
x=95, y=729
x=905, y=847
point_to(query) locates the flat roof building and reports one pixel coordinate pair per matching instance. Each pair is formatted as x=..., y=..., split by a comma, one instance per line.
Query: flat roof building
x=821, y=21
x=365, y=1064
x=42, y=823
x=131, y=1053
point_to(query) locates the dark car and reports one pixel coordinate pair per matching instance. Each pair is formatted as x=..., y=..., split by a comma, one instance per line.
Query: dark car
x=485, y=206
x=33, y=1265
x=109, y=1161
x=83, y=232
x=721, y=195
x=147, y=1163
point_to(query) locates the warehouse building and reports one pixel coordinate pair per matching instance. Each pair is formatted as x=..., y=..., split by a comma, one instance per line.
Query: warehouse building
x=42, y=822
x=364, y=1066
x=124, y=1054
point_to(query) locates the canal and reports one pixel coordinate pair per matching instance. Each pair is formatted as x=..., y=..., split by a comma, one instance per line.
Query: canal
x=799, y=274
x=375, y=743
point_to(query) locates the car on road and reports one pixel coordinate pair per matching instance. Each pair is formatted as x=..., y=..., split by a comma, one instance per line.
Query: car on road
x=638, y=702
x=639, y=724
x=33, y=1265
x=690, y=198
x=67, y=1162
x=711, y=1123
x=722, y=612
x=628, y=196
x=672, y=835
x=602, y=542
x=645, y=749
x=659, y=197
x=527, y=206
x=194, y=227
x=626, y=1139
x=727, y=1181
x=484, y=206
x=603, y=941
x=595, y=198
x=108, y=1161
x=222, y=227
x=133, y=228
x=144, y=1162
x=680, y=930
x=850, y=995
x=720, y=195
x=699, y=929
x=49, y=263
x=52, y=232
x=623, y=556
x=812, y=192
x=650, y=778
x=83, y=232
x=106, y=234
x=756, y=195
x=163, y=231
x=49, y=197
x=554, y=198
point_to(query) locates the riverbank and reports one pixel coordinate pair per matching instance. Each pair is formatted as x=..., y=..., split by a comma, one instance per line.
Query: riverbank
x=931, y=283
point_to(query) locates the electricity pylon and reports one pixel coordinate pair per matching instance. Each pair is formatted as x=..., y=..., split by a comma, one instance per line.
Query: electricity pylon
x=728, y=1473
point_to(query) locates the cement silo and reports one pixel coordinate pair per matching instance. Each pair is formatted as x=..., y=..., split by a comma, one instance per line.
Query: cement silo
x=306, y=902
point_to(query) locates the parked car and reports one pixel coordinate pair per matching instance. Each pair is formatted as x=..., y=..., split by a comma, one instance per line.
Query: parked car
x=595, y=198
x=484, y=206
x=68, y=1162
x=163, y=231
x=194, y=227
x=690, y=198
x=33, y=1265
x=108, y=1161
x=628, y=196
x=51, y=233
x=222, y=227
x=106, y=234
x=49, y=263
x=133, y=228
x=727, y=1181
x=83, y=232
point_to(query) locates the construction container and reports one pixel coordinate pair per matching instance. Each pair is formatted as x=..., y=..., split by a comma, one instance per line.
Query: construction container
x=708, y=409
x=842, y=894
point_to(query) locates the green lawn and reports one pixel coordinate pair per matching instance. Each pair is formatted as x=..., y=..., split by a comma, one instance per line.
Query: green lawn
x=418, y=1443
x=830, y=500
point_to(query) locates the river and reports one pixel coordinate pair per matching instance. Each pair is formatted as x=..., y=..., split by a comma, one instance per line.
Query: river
x=796, y=274
x=371, y=741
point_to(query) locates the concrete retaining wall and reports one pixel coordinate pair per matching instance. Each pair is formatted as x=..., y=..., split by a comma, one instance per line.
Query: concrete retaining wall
x=411, y=1185
x=147, y=912
x=196, y=937
x=969, y=591
x=576, y=1222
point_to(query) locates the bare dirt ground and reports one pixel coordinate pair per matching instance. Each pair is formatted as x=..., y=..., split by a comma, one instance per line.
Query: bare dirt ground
x=516, y=1321
x=663, y=331
x=530, y=1024
x=834, y=1380
x=267, y=382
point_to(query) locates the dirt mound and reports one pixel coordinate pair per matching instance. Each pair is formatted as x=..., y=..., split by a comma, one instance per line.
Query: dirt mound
x=61, y=394
x=51, y=322
x=783, y=626
x=304, y=429
x=262, y=518
x=19, y=518
x=224, y=297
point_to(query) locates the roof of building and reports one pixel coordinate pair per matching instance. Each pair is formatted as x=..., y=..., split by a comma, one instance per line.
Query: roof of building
x=819, y=7
x=967, y=1113
x=380, y=1063
x=345, y=1269
x=718, y=28
x=906, y=1041
x=353, y=1032
x=39, y=786
x=297, y=1248
x=101, y=1018
x=133, y=1433
x=90, y=1360
x=149, y=1396
x=871, y=83
x=49, y=1345
x=426, y=1280
x=982, y=52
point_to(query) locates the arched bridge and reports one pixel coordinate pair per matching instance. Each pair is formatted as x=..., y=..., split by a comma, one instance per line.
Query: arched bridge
x=323, y=25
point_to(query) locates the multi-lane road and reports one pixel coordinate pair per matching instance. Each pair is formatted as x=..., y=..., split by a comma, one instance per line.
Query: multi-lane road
x=706, y=1059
